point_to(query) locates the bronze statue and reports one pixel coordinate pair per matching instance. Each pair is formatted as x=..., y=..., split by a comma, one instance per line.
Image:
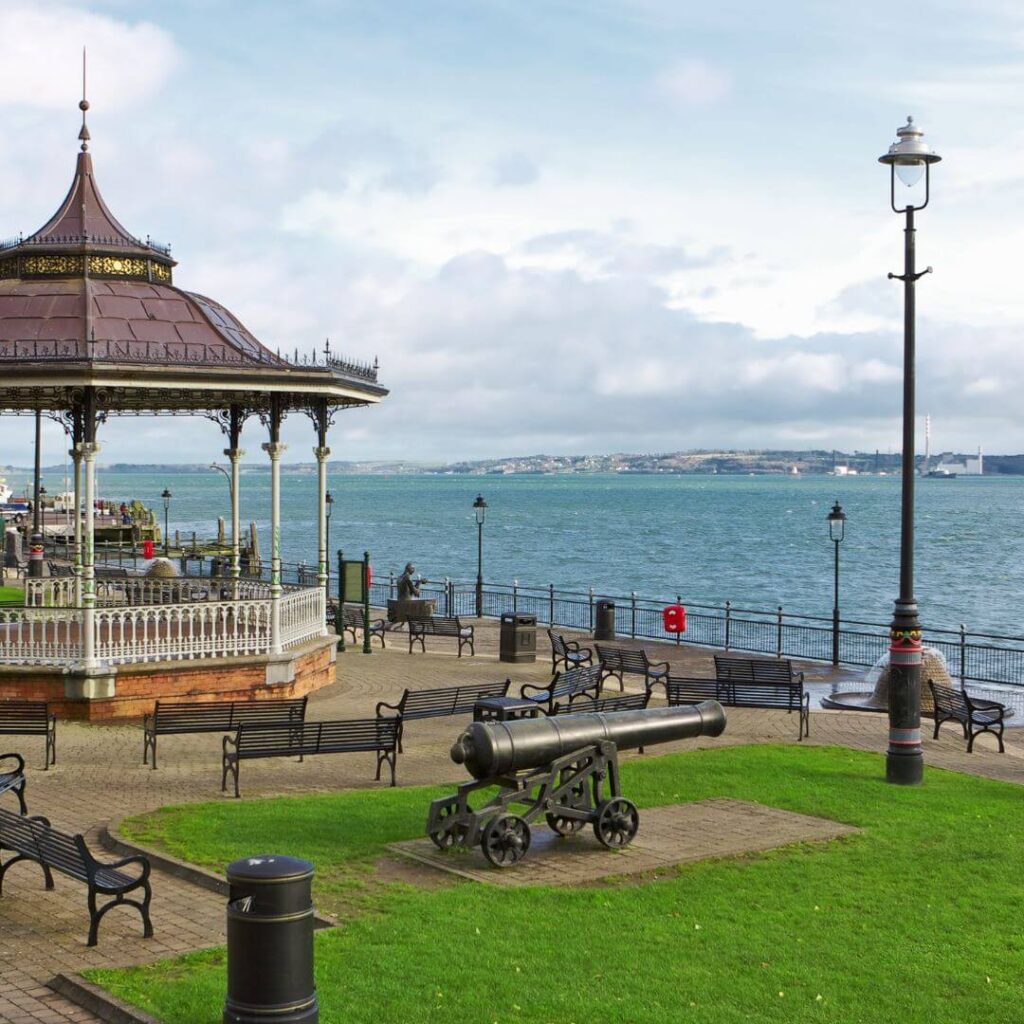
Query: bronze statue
x=408, y=588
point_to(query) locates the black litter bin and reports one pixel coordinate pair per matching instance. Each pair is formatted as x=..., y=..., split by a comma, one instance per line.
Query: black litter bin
x=604, y=620
x=270, y=942
x=518, y=638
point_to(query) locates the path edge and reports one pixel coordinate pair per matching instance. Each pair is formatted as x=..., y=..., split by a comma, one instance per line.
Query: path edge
x=98, y=1001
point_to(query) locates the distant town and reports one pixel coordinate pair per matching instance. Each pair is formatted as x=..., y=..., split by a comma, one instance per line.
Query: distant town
x=754, y=461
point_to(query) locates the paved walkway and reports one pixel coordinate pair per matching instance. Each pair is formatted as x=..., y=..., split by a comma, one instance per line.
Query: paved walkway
x=100, y=777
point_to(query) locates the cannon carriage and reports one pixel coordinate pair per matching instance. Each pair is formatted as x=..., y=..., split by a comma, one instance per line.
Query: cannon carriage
x=564, y=769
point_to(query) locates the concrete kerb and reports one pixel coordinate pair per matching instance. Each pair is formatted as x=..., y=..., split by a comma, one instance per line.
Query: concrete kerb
x=112, y=840
x=98, y=1001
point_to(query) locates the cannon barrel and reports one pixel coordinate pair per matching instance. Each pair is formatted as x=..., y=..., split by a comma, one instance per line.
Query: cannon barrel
x=489, y=749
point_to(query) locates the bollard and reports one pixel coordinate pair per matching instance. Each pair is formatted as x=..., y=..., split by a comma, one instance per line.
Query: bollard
x=270, y=942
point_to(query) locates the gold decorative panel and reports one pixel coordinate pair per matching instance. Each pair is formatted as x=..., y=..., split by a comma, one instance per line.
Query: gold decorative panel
x=9, y=268
x=117, y=266
x=160, y=272
x=31, y=265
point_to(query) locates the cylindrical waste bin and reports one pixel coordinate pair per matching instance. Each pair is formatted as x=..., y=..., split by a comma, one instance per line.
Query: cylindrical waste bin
x=604, y=620
x=270, y=942
x=518, y=638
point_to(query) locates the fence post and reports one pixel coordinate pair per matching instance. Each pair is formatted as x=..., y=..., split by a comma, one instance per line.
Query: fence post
x=591, y=592
x=447, y=598
x=728, y=622
x=391, y=585
x=551, y=604
x=778, y=636
x=451, y=597
x=367, y=649
x=632, y=614
x=963, y=654
x=515, y=596
x=339, y=615
x=679, y=600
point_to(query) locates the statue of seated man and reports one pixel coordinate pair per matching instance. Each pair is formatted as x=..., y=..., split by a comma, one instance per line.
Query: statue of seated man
x=408, y=588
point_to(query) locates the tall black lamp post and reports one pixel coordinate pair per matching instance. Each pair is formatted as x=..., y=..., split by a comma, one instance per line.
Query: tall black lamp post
x=909, y=157
x=836, y=531
x=167, y=509
x=329, y=507
x=480, y=510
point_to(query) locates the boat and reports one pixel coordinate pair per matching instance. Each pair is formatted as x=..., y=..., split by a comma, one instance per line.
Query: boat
x=940, y=474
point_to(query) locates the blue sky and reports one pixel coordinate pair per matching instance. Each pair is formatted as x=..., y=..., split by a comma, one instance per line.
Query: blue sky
x=563, y=226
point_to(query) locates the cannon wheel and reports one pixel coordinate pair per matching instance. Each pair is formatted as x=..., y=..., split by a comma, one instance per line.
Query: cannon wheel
x=617, y=823
x=448, y=835
x=564, y=826
x=506, y=840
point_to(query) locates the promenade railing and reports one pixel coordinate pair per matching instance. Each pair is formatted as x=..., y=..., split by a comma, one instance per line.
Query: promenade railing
x=972, y=656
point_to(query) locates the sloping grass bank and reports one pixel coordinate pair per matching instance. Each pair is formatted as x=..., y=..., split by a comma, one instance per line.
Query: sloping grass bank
x=917, y=919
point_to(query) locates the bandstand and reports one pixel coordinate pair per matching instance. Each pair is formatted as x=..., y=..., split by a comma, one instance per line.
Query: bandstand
x=92, y=325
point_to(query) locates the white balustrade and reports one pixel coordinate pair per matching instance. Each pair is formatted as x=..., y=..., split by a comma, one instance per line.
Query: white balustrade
x=52, y=592
x=167, y=620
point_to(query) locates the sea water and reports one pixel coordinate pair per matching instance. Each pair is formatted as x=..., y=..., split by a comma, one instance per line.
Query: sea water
x=758, y=541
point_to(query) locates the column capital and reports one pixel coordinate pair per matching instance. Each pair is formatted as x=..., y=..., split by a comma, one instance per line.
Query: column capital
x=322, y=454
x=74, y=452
x=234, y=453
x=88, y=449
x=275, y=449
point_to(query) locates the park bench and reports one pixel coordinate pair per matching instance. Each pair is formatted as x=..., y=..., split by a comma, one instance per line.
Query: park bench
x=747, y=683
x=30, y=718
x=216, y=716
x=437, y=625
x=439, y=702
x=352, y=619
x=567, y=653
x=378, y=735
x=586, y=679
x=974, y=715
x=35, y=839
x=622, y=702
x=617, y=661
x=12, y=778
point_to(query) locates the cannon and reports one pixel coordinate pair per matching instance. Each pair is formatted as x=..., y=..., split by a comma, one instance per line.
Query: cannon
x=565, y=768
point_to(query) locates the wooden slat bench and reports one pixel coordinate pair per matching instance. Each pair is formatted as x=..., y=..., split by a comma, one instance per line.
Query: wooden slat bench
x=352, y=619
x=439, y=702
x=35, y=839
x=564, y=686
x=567, y=653
x=974, y=715
x=216, y=716
x=347, y=736
x=748, y=683
x=437, y=625
x=617, y=661
x=12, y=778
x=30, y=718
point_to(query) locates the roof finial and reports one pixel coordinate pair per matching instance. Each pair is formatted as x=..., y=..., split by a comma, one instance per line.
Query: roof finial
x=83, y=107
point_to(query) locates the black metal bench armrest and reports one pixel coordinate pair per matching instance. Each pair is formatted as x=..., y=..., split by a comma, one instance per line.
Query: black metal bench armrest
x=799, y=678
x=42, y=820
x=232, y=741
x=143, y=862
x=397, y=708
x=538, y=690
x=145, y=721
x=661, y=666
x=987, y=705
x=18, y=758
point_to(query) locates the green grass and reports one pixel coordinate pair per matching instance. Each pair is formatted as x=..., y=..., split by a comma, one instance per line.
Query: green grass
x=12, y=596
x=917, y=919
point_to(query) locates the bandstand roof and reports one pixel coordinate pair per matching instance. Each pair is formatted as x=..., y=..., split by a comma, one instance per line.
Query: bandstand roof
x=86, y=304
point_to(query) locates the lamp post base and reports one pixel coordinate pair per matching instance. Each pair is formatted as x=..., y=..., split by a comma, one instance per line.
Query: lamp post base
x=904, y=760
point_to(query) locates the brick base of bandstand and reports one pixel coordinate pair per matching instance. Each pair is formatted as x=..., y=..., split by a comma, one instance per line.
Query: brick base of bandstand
x=129, y=691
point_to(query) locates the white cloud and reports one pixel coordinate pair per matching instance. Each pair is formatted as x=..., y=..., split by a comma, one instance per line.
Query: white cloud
x=41, y=57
x=695, y=83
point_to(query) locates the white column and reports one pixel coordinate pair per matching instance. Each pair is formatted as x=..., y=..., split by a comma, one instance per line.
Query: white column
x=322, y=455
x=275, y=451
x=89, y=453
x=235, y=455
x=76, y=456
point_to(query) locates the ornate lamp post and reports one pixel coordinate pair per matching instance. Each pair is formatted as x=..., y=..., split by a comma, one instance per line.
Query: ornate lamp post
x=909, y=157
x=329, y=506
x=836, y=531
x=480, y=510
x=167, y=508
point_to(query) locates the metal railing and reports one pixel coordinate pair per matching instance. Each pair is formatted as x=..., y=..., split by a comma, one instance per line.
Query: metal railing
x=973, y=657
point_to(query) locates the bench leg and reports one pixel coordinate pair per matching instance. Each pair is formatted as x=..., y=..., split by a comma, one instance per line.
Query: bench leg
x=47, y=876
x=386, y=757
x=20, y=793
x=229, y=766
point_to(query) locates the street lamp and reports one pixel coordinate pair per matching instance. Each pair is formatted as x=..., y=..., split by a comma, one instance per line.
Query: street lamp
x=908, y=158
x=480, y=510
x=329, y=504
x=167, y=508
x=836, y=531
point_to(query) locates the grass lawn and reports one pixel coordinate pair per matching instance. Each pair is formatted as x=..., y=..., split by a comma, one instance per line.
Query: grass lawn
x=11, y=595
x=918, y=919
